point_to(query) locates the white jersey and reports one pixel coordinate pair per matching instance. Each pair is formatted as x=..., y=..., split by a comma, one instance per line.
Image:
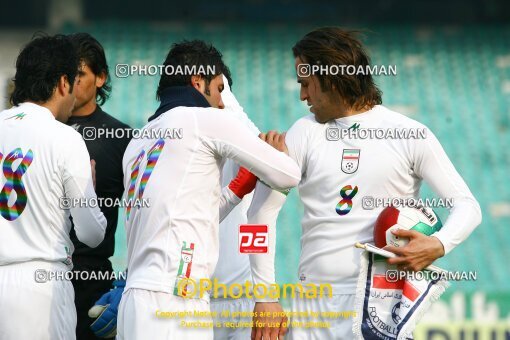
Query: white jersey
x=340, y=174
x=232, y=266
x=45, y=165
x=176, y=237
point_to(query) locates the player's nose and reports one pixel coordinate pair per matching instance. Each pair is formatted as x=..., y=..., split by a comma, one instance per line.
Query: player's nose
x=303, y=95
x=220, y=104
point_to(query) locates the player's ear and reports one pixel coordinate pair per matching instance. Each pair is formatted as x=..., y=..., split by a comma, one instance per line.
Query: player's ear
x=63, y=85
x=198, y=83
x=100, y=79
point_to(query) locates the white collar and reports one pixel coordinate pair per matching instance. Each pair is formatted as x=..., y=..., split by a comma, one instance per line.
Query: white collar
x=31, y=107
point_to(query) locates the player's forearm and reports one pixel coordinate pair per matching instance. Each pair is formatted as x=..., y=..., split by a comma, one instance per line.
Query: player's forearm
x=89, y=221
x=264, y=209
x=464, y=217
x=228, y=201
x=239, y=186
x=271, y=166
x=434, y=166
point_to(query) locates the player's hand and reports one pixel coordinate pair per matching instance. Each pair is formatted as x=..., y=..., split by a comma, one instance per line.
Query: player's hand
x=93, y=168
x=419, y=253
x=244, y=183
x=275, y=139
x=105, y=311
x=272, y=325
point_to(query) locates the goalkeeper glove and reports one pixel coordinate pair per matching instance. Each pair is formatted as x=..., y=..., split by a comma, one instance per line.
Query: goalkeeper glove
x=105, y=311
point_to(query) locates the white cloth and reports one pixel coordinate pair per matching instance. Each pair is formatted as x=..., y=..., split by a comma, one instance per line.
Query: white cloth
x=334, y=326
x=57, y=165
x=235, y=326
x=145, y=315
x=32, y=309
x=177, y=236
x=232, y=266
x=266, y=205
x=386, y=168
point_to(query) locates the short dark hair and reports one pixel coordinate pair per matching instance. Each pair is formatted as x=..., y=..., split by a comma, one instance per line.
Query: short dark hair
x=91, y=52
x=40, y=65
x=194, y=54
x=335, y=46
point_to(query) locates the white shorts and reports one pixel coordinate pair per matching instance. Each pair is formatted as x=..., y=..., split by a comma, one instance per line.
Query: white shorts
x=42, y=310
x=233, y=326
x=145, y=314
x=340, y=327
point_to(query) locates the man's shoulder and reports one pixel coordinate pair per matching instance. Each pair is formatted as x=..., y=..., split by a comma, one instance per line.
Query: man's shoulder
x=189, y=111
x=66, y=133
x=211, y=110
x=201, y=117
x=396, y=119
x=305, y=134
x=308, y=120
x=306, y=125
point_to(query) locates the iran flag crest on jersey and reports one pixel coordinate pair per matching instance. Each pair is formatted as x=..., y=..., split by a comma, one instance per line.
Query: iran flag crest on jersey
x=350, y=160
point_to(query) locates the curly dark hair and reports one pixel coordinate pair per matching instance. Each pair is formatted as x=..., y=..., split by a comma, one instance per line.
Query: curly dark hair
x=193, y=54
x=40, y=65
x=91, y=52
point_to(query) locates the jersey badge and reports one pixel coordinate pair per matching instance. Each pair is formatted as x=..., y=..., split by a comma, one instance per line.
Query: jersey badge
x=184, y=271
x=350, y=160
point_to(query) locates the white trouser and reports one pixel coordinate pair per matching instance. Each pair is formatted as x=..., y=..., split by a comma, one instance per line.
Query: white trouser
x=340, y=327
x=145, y=314
x=229, y=314
x=35, y=303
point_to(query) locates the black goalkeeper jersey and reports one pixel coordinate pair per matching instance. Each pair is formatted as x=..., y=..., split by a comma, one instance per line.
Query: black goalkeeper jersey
x=107, y=151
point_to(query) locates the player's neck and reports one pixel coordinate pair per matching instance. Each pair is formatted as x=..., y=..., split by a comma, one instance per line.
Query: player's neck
x=50, y=105
x=85, y=110
x=364, y=109
x=351, y=111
